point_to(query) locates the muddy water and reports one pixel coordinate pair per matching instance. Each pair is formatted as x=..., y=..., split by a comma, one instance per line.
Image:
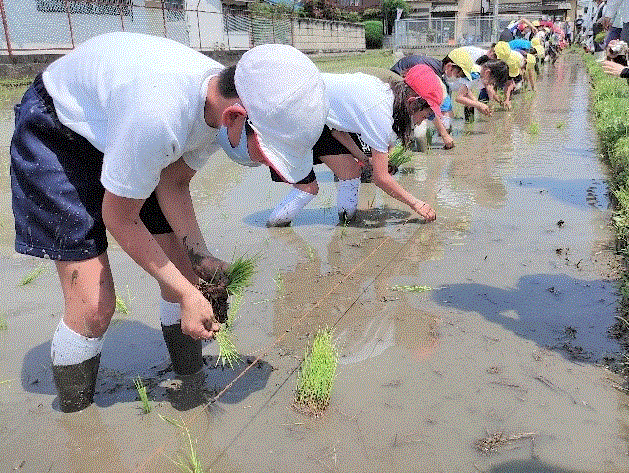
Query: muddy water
x=502, y=353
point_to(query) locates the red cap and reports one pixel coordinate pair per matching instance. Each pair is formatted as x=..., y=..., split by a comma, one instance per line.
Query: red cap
x=423, y=80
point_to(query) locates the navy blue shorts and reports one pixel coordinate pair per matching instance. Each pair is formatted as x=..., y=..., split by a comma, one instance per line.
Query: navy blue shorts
x=326, y=145
x=56, y=188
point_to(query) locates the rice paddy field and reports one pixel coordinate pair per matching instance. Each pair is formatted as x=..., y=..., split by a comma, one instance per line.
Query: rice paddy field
x=475, y=343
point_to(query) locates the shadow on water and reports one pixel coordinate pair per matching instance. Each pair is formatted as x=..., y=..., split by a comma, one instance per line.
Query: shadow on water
x=368, y=218
x=577, y=192
x=123, y=360
x=529, y=466
x=555, y=311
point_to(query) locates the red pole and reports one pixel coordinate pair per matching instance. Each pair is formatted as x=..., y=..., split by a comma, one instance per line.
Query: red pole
x=70, y=23
x=6, y=30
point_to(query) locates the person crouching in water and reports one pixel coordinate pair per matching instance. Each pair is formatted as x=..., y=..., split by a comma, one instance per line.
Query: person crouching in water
x=379, y=113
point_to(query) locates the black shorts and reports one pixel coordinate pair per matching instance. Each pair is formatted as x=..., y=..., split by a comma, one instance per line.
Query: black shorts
x=326, y=145
x=55, y=184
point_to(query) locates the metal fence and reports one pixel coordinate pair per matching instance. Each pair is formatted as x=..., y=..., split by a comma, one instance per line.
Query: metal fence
x=429, y=31
x=58, y=25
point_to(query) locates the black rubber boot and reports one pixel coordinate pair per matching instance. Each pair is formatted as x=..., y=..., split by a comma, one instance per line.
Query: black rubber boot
x=469, y=114
x=76, y=384
x=185, y=352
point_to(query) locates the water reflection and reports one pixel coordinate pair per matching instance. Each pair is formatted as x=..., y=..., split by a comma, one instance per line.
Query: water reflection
x=367, y=316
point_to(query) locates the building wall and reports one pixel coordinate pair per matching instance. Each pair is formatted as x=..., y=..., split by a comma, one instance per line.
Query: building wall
x=311, y=36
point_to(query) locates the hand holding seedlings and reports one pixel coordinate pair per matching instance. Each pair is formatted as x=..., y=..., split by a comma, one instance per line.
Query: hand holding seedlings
x=213, y=271
x=197, y=316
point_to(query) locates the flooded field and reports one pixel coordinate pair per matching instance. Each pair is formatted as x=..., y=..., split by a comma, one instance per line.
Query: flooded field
x=497, y=366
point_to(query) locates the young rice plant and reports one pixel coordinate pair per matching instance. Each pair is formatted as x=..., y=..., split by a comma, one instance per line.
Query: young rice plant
x=146, y=405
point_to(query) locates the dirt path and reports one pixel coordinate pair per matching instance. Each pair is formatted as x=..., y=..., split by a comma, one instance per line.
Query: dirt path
x=495, y=369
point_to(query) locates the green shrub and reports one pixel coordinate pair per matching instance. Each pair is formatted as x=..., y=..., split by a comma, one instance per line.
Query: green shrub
x=373, y=34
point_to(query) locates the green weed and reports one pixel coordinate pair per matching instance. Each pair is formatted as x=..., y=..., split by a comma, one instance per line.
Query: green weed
x=139, y=385
x=316, y=375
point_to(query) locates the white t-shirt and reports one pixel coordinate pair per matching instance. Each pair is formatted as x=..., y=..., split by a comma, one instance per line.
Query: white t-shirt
x=362, y=104
x=475, y=52
x=139, y=99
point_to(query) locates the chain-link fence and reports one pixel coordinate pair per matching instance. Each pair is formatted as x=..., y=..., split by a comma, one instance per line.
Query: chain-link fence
x=428, y=31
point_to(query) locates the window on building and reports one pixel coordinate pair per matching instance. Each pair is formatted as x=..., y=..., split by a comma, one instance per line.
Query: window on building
x=95, y=7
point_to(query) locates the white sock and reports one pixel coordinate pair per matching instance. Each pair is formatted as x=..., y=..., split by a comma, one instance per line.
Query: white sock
x=286, y=210
x=347, y=196
x=71, y=348
x=169, y=312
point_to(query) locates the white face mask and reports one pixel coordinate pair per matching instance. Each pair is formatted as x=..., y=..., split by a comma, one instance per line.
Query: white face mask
x=240, y=153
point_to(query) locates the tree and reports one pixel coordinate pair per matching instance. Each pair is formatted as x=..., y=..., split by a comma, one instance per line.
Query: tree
x=389, y=13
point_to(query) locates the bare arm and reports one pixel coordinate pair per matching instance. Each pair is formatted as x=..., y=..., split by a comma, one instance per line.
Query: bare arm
x=385, y=181
x=448, y=142
x=173, y=194
x=612, y=68
x=465, y=98
x=122, y=218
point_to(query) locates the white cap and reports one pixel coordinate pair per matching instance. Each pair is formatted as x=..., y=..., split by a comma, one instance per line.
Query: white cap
x=284, y=96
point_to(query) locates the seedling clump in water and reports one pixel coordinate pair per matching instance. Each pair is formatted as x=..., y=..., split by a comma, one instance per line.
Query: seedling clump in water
x=316, y=375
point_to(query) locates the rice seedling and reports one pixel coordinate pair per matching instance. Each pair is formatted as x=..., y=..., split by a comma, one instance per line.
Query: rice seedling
x=228, y=354
x=279, y=282
x=240, y=275
x=560, y=125
x=3, y=323
x=146, y=405
x=311, y=254
x=123, y=306
x=399, y=155
x=412, y=288
x=534, y=129
x=34, y=274
x=316, y=375
x=190, y=462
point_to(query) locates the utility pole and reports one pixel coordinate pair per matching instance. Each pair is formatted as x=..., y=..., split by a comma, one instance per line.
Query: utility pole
x=495, y=25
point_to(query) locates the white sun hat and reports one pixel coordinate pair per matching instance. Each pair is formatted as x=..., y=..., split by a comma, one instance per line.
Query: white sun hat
x=284, y=96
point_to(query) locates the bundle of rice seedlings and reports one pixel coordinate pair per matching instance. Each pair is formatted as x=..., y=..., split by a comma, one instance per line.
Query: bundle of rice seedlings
x=399, y=155
x=240, y=275
x=316, y=375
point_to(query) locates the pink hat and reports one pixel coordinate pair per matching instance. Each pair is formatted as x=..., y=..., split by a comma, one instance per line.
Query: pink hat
x=423, y=80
